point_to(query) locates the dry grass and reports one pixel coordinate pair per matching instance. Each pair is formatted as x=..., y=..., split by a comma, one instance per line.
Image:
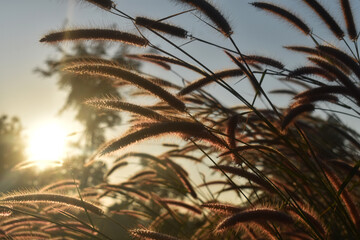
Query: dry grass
x=293, y=173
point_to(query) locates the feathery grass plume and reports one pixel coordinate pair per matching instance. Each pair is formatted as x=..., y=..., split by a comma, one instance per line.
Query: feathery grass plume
x=342, y=57
x=251, y=59
x=71, y=226
x=145, y=173
x=209, y=79
x=147, y=234
x=30, y=235
x=162, y=27
x=248, y=74
x=159, y=63
x=118, y=105
x=257, y=215
x=323, y=90
x=344, y=79
x=285, y=14
x=164, y=83
x=181, y=204
x=8, y=223
x=283, y=91
x=309, y=70
x=52, y=198
x=95, y=34
x=104, y=4
x=222, y=208
x=183, y=129
x=303, y=49
x=308, y=218
x=349, y=19
x=89, y=60
x=5, y=211
x=345, y=195
x=326, y=17
x=115, y=167
x=323, y=55
x=317, y=98
x=17, y=228
x=171, y=60
x=212, y=13
x=133, y=78
x=263, y=231
x=70, y=183
x=245, y=174
x=294, y=112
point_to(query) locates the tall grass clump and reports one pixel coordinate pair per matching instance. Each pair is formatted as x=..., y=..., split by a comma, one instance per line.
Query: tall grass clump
x=268, y=171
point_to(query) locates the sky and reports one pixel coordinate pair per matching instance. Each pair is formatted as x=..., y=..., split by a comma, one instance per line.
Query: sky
x=36, y=100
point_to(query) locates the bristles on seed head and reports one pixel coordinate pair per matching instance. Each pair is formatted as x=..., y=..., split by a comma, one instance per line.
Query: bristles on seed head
x=162, y=27
x=104, y=4
x=316, y=98
x=183, y=128
x=223, y=208
x=309, y=70
x=342, y=57
x=212, y=13
x=294, y=112
x=147, y=234
x=323, y=90
x=326, y=17
x=349, y=19
x=95, y=34
x=132, y=78
x=54, y=198
x=260, y=214
x=309, y=218
x=197, y=84
x=118, y=105
x=285, y=14
x=262, y=60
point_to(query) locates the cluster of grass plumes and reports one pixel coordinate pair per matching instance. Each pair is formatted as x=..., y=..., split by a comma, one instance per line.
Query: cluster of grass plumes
x=291, y=172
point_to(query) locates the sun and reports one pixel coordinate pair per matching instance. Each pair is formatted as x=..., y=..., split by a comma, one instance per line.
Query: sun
x=46, y=145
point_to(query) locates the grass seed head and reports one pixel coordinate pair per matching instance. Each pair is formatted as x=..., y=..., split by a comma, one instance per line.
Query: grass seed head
x=162, y=27
x=95, y=34
x=285, y=14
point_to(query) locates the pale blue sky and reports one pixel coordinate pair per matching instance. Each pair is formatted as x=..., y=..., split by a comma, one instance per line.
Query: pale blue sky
x=24, y=22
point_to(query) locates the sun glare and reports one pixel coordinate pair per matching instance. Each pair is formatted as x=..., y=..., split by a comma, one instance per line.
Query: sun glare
x=46, y=145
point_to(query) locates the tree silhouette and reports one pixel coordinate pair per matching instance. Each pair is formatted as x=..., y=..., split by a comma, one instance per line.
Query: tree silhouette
x=11, y=152
x=81, y=88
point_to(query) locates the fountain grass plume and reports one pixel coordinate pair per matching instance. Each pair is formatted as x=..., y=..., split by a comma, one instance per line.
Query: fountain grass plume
x=326, y=17
x=212, y=13
x=284, y=14
x=161, y=27
x=94, y=34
